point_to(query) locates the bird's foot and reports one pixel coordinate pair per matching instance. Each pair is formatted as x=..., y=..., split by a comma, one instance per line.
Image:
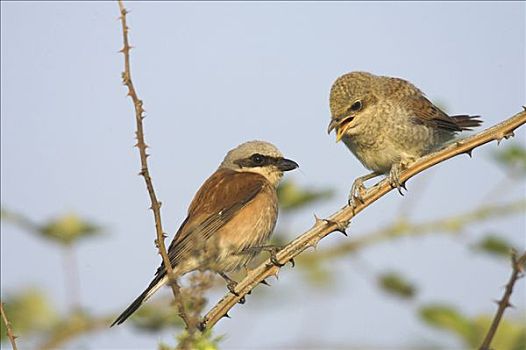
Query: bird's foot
x=394, y=177
x=230, y=283
x=357, y=193
x=358, y=190
x=273, y=250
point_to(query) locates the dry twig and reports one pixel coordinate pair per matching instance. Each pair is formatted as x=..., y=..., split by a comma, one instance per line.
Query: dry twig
x=452, y=224
x=9, y=330
x=517, y=265
x=145, y=173
x=340, y=220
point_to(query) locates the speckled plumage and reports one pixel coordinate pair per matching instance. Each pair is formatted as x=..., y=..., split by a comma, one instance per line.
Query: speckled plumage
x=396, y=123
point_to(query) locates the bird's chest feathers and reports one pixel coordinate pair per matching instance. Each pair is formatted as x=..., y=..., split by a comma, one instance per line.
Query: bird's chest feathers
x=380, y=140
x=239, y=239
x=370, y=145
x=376, y=156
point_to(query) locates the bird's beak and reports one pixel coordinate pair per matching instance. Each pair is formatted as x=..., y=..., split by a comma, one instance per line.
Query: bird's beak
x=332, y=125
x=341, y=126
x=285, y=164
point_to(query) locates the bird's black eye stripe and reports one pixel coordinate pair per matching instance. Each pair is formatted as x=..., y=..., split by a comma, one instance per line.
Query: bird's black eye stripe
x=258, y=159
x=356, y=106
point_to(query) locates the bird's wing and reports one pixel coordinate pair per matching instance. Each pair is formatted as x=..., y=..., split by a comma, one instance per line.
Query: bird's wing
x=425, y=112
x=221, y=196
x=218, y=200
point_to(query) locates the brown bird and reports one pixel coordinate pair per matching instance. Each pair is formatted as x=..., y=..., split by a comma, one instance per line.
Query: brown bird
x=388, y=123
x=231, y=216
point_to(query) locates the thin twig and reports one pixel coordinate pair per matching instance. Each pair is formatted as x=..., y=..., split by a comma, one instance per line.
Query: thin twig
x=340, y=220
x=71, y=276
x=403, y=228
x=9, y=330
x=517, y=266
x=141, y=145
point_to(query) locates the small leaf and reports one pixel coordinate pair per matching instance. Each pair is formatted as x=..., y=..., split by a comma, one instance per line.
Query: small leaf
x=153, y=317
x=494, y=245
x=513, y=158
x=292, y=197
x=200, y=341
x=18, y=219
x=448, y=318
x=396, y=284
x=316, y=271
x=510, y=335
x=69, y=228
x=29, y=311
x=520, y=341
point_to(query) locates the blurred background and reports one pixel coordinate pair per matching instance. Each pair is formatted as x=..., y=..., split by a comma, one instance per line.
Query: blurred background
x=77, y=238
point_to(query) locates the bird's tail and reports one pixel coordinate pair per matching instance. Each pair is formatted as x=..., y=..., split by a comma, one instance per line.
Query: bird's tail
x=159, y=281
x=466, y=122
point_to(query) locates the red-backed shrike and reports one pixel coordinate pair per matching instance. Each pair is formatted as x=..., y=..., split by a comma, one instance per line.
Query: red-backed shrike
x=231, y=216
x=388, y=123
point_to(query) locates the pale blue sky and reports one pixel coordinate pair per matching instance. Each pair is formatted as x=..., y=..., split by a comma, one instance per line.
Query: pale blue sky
x=213, y=75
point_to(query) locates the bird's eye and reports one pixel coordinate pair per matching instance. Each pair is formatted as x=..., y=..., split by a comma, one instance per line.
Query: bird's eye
x=356, y=106
x=257, y=158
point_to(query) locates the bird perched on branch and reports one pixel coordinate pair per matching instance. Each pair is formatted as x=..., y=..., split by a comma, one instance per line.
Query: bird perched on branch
x=231, y=216
x=388, y=123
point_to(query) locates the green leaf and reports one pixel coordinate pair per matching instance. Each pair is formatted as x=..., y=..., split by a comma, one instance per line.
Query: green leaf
x=520, y=341
x=396, y=284
x=317, y=272
x=200, y=341
x=513, y=158
x=510, y=335
x=153, y=317
x=448, y=318
x=69, y=228
x=494, y=245
x=64, y=229
x=292, y=197
x=18, y=219
x=28, y=311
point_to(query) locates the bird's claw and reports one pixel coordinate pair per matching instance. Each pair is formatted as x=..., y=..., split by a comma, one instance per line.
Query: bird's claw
x=394, y=178
x=273, y=250
x=357, y=193
x=232, y=288
x=273, y=259
x=230, y=284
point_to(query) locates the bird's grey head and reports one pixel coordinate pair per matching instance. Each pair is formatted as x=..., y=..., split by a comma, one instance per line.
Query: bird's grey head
x=350, y=96
x=259, y=157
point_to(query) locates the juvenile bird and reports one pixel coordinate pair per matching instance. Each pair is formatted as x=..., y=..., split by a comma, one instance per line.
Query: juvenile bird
x=231, y=216
x=388, y=123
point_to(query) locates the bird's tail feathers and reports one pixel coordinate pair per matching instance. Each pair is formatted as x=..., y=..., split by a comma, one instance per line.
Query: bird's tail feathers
x=154, y=286
x=466, y=122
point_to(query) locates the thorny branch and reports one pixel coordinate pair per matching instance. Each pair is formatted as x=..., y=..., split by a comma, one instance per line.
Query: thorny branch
x=145, y=173
x=9, y=331
x=517, y=265
x=341, y=219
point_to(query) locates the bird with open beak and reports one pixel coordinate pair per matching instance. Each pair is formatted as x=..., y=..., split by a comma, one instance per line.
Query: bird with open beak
x=388, y=123
x=231, y=216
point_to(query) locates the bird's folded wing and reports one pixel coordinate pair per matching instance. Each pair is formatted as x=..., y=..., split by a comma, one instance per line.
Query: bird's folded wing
x=218, y=200
x=424, y=112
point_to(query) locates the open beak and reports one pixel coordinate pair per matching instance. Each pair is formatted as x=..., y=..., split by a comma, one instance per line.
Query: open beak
x=332, y=125
x=285, y=164
x=341, y=126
